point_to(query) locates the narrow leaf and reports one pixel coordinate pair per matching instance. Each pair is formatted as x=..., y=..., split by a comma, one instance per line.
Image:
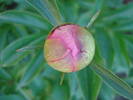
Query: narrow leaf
x=113, y=81
x=11, y=97
x=124, y=12
x=4, y=74
x=84, y=85
x=48, y=9
x=69, y=10
x=33, y=69
x=6, y=53
x=25, y=18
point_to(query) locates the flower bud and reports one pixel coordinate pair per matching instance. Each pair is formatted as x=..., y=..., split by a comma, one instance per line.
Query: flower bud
x=69, y=48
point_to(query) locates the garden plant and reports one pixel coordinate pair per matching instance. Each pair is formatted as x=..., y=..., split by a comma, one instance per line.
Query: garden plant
x=66, y=50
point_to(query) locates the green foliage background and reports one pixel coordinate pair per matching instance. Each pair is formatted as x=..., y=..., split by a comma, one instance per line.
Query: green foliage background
x=24, y=74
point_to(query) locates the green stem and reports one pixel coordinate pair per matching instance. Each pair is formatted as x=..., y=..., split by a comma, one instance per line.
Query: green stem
x=90, y=23
x=62, y=78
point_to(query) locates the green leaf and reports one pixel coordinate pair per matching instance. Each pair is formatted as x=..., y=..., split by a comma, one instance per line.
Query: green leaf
x=129, y=80
x=25, y=93
x=20, y=30
x=107, y=93
x=30, y=48
x=76, y=92
x=124, y=12
x=124, y=25
x=10, y=50
x=114, y=3
x=104, y=46
x=3, y=38
x=121, y=58
x=59, y=91
x=69, y=10
x=4, y=74
x=33, y=69
x=48, y=9
x=129, y=45
x=11, y=97
x=25, y=18
x=84, y=85
x=113, y=81
x=99, y=5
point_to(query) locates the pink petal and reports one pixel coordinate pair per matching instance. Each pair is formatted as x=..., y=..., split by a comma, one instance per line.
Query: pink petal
x=67, y=48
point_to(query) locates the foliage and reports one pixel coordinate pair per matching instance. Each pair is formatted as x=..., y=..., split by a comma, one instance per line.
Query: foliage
x=25, y=75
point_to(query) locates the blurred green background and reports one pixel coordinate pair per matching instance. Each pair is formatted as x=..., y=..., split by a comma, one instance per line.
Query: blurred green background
x=24, y=25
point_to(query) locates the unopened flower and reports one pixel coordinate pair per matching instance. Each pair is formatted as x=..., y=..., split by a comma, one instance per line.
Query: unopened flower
x=69, y=48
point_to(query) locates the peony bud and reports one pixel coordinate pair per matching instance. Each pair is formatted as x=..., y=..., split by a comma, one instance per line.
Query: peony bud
x=69, y=48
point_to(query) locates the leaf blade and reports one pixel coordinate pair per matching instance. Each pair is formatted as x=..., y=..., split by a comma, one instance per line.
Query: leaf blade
x=11, y=48
x=112, y=80
x=48, y=9
x=25, y=18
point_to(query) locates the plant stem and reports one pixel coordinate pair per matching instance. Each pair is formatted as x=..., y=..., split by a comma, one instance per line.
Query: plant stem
x=62, y=78
x=93, y=19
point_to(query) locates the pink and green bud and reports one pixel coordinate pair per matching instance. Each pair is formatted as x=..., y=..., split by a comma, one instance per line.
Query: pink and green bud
x=69, y=48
